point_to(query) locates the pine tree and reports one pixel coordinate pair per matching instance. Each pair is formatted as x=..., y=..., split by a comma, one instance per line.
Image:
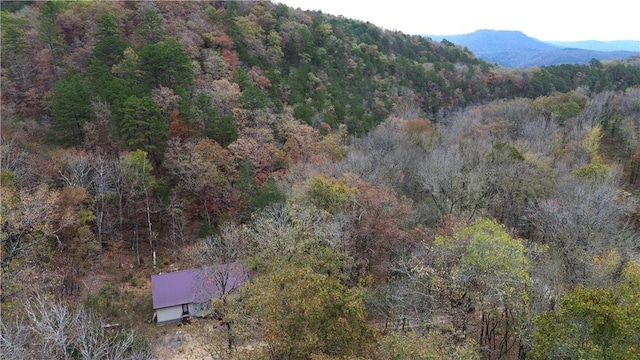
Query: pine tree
x=166, y=64
x=143, y=126
x=71, y=109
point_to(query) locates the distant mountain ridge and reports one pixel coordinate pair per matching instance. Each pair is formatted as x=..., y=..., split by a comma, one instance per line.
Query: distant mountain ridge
x=615, y=45
x=515, y=49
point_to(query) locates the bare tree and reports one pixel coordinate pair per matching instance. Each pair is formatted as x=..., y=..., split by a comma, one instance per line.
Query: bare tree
x=220, y=254
x=138, y=178
x=456, y=179
x=73, y=167
x=12, y=157
x=53, y=326
x=14, y=341
x=583, y=219
x=175, y=212
x=54, y=331
x=103, y=187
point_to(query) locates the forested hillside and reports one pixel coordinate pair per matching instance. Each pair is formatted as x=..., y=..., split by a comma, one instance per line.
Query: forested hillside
x=391, y=196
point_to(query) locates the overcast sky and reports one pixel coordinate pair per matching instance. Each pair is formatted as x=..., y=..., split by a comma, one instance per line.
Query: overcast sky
x=547, y=20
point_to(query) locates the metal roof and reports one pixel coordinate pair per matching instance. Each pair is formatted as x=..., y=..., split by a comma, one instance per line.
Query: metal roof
x=196, y=285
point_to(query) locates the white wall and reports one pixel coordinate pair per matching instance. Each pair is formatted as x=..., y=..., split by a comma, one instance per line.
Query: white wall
x=173, y=313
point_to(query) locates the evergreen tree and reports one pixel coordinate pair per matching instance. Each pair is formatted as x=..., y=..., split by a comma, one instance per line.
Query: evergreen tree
x=149, y=25
x=48, y=32
x=110, y=47
x=253, y=98
x=268, y=194
x=71, y=109
x=106, y=26
x=226, y=130
x=143, y=126
x=221, y=128
x=242, y=79
x=166, y=64
x=13, y=43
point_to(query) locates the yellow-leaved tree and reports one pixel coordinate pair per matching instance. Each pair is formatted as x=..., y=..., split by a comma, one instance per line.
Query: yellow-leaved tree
x=595, y=169
x=593, y=323
x=480, y=275
x=304, y=313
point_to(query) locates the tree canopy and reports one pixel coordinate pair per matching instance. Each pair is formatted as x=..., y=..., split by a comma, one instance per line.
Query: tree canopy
x=390, y=196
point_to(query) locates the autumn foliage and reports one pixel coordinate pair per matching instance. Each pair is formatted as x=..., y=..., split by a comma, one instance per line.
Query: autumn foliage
x=392, y=196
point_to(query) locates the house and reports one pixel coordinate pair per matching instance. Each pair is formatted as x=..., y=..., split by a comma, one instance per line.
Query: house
x=181, y=294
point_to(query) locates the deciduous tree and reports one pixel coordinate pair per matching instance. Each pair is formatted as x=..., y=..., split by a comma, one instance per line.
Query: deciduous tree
x=329, y=194
x=479, y=267
x=138, y=182
x=53, y=330
x=581, y=219
x=595, y=169
x=593, y=323
x=298, y=234
x=381, y=230
x=433, y=346
x=304, y=313
x=205, y=171
x=455, y=180
x=26, y=216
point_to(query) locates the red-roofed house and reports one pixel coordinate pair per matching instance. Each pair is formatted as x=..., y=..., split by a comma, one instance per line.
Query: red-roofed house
x=181, y=294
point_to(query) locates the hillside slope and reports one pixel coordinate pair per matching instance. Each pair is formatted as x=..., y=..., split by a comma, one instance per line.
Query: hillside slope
x=370, y=181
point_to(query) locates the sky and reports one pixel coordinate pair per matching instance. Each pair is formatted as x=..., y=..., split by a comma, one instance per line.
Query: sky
x=546, y=20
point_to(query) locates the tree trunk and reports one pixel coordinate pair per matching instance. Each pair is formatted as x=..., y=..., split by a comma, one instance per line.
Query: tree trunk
x=137, y=241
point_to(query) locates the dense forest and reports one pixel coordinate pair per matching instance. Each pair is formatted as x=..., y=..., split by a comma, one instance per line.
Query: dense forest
x=393, y=197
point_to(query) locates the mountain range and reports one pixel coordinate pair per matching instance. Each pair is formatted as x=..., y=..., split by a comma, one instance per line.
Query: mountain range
x=517, y=50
